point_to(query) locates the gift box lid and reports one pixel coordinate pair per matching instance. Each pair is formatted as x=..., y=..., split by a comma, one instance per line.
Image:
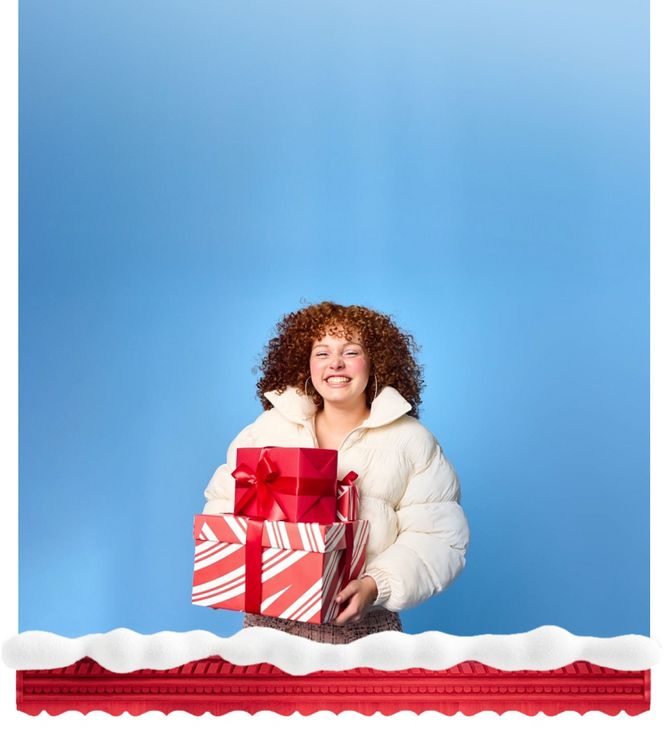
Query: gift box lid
x=319, y=537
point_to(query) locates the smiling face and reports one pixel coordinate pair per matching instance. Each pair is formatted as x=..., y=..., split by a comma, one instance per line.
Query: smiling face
x=340, y=370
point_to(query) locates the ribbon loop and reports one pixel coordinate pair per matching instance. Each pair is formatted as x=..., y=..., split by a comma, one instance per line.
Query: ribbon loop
x=257, y=484
x=266, y=469
x=349, y=478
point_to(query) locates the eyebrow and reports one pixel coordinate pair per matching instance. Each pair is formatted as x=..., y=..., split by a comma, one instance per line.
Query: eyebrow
x=346, y=344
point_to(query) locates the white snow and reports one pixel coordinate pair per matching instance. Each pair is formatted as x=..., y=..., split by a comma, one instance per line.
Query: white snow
x=123, y=650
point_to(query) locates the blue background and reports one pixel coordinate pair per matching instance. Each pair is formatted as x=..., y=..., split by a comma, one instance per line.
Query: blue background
x=190, y=171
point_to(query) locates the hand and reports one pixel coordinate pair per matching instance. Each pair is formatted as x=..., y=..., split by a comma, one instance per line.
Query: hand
x=360, y=594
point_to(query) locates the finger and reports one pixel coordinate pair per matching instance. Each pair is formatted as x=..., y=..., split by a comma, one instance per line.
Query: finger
x=345, y=616
x=348, y=614
x=348, y=591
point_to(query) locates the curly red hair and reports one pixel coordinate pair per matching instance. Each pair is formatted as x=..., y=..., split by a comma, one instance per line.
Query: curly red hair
x=391, y=351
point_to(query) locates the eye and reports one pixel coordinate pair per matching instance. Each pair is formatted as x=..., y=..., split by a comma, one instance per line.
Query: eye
x=321, y=354
x=353, y=353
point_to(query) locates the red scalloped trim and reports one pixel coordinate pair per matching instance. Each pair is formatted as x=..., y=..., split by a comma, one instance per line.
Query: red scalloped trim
x=217, y=686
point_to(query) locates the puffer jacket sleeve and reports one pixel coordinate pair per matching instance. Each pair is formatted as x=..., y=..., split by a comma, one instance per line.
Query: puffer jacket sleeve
x=432, y=539
x=220, y=490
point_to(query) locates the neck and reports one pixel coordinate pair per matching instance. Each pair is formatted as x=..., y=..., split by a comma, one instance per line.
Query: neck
x=344, y=417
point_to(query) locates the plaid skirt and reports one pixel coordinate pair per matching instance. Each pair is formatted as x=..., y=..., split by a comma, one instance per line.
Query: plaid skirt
x=376, y=620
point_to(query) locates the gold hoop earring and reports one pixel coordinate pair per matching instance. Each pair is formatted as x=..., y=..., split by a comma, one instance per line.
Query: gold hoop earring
x=375, y=392
x=305, y=384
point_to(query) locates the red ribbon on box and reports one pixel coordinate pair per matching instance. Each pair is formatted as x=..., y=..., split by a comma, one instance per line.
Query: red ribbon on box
x=253, y=573
x=348, y=553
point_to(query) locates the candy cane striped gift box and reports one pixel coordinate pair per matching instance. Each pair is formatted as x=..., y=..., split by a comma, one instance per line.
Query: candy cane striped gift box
x=303, y=565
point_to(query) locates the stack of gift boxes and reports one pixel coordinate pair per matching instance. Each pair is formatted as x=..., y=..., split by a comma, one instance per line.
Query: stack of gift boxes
x=291, y=545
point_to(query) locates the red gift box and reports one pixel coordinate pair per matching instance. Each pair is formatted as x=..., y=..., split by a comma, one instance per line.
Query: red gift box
x=277, y=568
x=293, y=484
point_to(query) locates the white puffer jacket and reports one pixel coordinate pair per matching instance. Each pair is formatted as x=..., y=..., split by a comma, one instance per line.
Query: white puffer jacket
x=408, y=491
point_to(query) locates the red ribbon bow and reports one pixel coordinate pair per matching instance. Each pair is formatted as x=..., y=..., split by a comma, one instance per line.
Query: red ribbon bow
x=258, y=484
x=348, y=479
x=347, y=504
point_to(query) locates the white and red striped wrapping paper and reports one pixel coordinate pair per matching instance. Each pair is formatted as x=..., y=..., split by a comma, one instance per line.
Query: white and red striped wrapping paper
x=302, y=565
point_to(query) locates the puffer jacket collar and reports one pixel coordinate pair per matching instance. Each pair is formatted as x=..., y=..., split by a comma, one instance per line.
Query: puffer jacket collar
x=388, y=406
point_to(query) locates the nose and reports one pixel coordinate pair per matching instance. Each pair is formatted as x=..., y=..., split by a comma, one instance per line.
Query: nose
x=337, y=361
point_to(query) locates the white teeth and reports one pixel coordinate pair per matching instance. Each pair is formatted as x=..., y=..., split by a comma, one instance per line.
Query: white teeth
x=338, y=379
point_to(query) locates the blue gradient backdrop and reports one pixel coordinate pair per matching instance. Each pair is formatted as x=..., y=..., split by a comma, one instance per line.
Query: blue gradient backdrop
x=190, y=171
